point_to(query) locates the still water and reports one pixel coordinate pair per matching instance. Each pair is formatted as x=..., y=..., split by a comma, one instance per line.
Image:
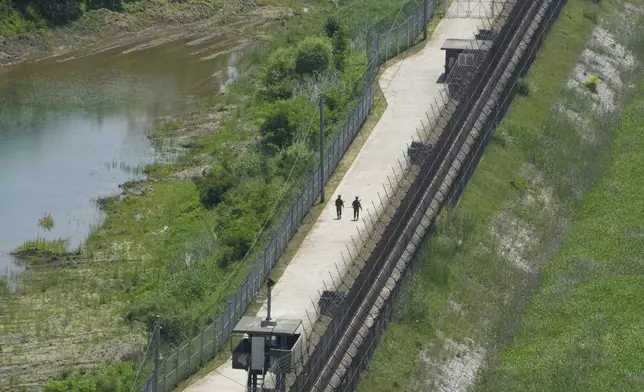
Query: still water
x=73, y=129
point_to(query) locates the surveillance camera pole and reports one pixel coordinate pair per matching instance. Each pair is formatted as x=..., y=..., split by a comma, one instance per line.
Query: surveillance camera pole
x=268, y=320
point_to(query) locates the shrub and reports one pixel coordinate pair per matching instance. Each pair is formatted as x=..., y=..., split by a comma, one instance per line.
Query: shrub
x=279, y=66
x=340, y=48
x=331, y=26
x=238, y=235
x=295, y=160
x=283, y=90
x=353, y=77
x=214, y=185
x=243, y=215
x=59, y=12
x=114, y=5
x=523, y=87
x=591, y=14
x=146, y=307
x=250, y=164
x=313, y=56
x=280, y=124
x=592, y=82
x=113, y=377
x=335, y=100
x=279, y=75
x=520, y=184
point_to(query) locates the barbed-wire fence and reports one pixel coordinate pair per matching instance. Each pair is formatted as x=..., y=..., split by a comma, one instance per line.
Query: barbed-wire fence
x=437, y=167
x=162, y=371
x=371, y=332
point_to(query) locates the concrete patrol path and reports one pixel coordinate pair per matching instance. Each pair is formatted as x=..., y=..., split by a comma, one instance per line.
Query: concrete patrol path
x=410, y=88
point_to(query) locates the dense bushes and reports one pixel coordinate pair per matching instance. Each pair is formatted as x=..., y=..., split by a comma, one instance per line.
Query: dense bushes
x=55, y=13
x=281, y=120
x=114, y=5
x=215, y=184
x=313, y=56
x=287, y=140
x=340, y=48
x=275, y=134
x=331, y=26
x=279, y=76
x=116, y=377
x=244, y=188
x=38, y=13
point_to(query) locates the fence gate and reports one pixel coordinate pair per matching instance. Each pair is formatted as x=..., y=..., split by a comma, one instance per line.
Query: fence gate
x=480, y=9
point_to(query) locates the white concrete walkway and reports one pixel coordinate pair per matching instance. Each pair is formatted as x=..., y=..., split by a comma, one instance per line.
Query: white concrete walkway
x=410, y=89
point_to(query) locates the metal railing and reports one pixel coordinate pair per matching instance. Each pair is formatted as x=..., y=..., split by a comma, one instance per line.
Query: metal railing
x=189, y=356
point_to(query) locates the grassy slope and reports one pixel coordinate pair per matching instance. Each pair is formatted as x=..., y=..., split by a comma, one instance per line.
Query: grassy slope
x=460, y=288
x=583, y=330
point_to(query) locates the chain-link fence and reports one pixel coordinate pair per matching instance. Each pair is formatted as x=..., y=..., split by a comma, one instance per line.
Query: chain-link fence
x=466, y=121
x=436, y=171
x=183, y=361
x=402, y=35
x=193, y=353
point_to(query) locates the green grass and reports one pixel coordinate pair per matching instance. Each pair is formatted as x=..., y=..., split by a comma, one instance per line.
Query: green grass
x=141, y=219
x=462, y=289
x=41, y=248
x=582, y=331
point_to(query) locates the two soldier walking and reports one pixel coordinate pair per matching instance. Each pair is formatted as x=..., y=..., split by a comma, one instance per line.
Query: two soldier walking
x=339, y=205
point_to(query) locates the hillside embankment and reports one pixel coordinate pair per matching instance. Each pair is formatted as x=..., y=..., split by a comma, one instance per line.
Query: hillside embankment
x=530, y=283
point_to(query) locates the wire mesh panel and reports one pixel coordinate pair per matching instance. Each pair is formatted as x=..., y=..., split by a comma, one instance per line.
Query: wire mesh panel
x=171, y=371
x=401, y=36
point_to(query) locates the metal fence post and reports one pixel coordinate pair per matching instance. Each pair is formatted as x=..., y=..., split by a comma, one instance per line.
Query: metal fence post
x=176, y=366
x=425, y=19
x=321, y=148
x=214, y=334
x=165, y=373
x=155, y=381
x=377, y=57
x=189, y=352
x=397, y=40
x=201, y=361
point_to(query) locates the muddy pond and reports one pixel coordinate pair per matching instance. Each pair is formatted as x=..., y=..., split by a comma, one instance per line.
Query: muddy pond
x=72, y=128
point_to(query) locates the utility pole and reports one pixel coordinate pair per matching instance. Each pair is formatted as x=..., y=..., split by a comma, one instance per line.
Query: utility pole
x=321, y=149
